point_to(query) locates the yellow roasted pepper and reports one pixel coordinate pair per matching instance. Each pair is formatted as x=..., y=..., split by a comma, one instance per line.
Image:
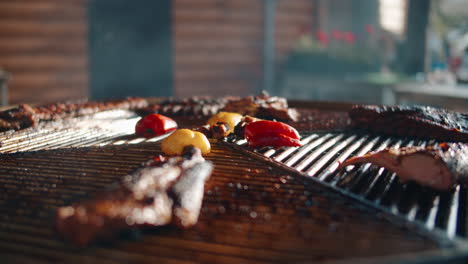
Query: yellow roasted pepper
x=177, y=141
x=226, y=117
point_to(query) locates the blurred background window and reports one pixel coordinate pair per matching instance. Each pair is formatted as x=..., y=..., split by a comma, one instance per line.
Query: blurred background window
x=393, y=15
x=363, y=51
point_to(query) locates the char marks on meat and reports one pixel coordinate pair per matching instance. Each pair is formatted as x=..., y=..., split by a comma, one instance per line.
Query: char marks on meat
x=423, y=122
x=57, y=111
x=263, y=106
x=156, y=194
x=17, y=118
x=193, y=106
x=439, y=167
x=25, y=116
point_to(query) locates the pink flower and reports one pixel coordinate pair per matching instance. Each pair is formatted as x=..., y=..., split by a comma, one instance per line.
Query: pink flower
x=322, y=37
x=349, y=37
x=370, y=29
x=336, y=34
x=304, y=30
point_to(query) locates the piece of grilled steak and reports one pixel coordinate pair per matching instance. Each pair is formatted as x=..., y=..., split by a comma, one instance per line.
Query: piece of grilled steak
x=439, y=167
x=25, y=116
x=423, y=122
x=153, y=195
x=263, y=106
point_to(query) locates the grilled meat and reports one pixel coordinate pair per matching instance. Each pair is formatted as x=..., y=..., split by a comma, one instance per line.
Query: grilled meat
x=149, y=196
x=439, y=167
x=193, y=106
x=218, y=131
x=25, y=116
x=187, y=192
x=263, y=106
x=423, y=122
x=17, y=118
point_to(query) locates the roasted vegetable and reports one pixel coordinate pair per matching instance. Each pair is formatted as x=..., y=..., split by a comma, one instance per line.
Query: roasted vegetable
x=269, y=133
x=177, y=141
x=154, y=125
x=225, y=117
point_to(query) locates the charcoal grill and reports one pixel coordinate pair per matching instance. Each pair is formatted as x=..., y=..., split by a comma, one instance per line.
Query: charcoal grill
x=285, y=205
x=319, y=158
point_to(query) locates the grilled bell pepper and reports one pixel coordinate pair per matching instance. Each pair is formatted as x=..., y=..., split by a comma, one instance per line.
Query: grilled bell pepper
x=269, y=133
x=177, y=141
x=225, y=117
x=154, y=125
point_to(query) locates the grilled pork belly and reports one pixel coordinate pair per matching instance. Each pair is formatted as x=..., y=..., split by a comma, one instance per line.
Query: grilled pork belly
x=439, y=167
x=153, y=195
x=25, y=116
x=423, y=122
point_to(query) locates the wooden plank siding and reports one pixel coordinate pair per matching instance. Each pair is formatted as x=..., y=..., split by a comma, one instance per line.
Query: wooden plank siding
x=218, y=46
x=43, y=45
x=291, y=18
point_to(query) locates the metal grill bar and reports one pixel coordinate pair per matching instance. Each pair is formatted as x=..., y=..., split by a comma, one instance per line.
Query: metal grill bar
x=242, y=197
x=83, y=155
x=100, y=129
x=321, y=153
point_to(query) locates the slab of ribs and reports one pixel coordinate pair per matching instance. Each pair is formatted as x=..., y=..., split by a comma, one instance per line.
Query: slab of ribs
x=24, y=115
x=262, y=106
x=417, y=121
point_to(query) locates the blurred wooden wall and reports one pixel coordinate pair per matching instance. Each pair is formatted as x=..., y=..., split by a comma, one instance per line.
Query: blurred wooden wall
x=292, y=18
x=43, y=45
x=219, y=44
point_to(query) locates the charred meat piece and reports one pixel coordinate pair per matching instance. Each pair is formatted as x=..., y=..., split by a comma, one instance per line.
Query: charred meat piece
x=57, y=111
x=193, y=106
x=218, y=131
x=25, y=116
x=263, y=106
x=423, y=122
x=439, y=167
x=222, y=130
x=205, y=130
x=17, y=118
x=187, y=192
x=150, y=196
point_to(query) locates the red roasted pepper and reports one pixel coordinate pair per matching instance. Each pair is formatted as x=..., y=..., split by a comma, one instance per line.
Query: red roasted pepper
x=269, y=133
x=154, y=125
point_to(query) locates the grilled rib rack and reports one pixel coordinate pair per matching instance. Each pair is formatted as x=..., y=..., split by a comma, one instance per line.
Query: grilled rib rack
x=258, y=206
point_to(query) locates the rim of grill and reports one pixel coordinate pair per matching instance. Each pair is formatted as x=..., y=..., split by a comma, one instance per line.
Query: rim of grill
x=443, y=213
x=440, y=215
